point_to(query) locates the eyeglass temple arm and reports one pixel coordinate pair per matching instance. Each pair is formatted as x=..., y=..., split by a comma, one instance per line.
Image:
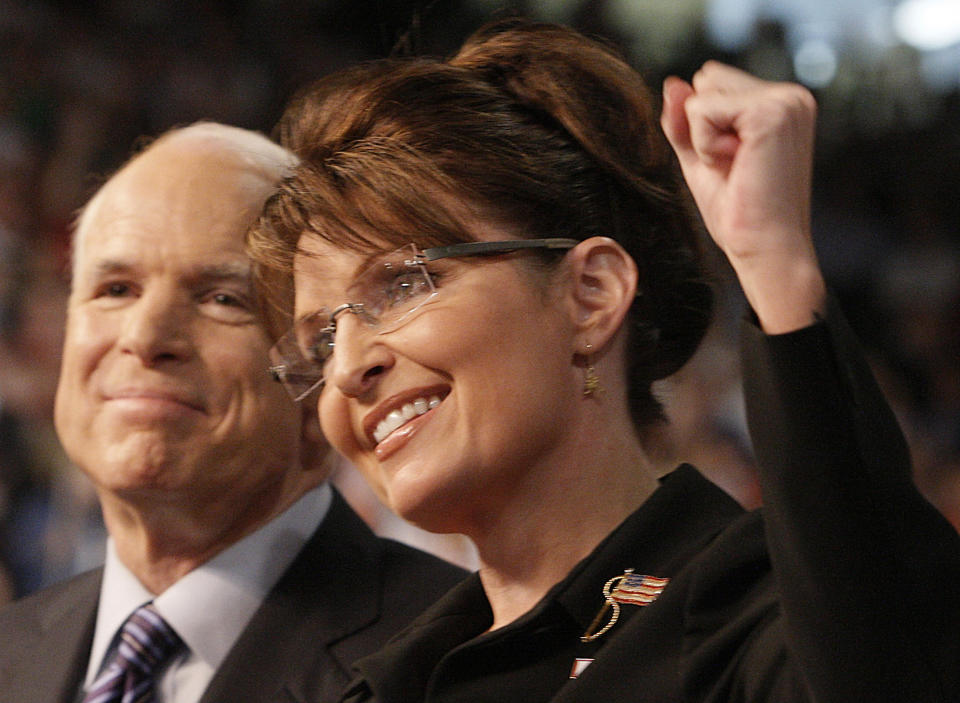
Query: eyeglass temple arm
x=474, y=248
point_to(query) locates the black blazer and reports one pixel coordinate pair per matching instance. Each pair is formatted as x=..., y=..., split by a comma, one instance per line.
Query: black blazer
x=342, y=597
x=842, y=589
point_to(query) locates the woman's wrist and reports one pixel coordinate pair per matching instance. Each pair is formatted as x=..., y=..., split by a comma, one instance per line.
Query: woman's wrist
x=785, y=295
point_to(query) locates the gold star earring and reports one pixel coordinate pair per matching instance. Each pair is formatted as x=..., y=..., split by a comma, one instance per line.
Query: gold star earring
x=591, y=380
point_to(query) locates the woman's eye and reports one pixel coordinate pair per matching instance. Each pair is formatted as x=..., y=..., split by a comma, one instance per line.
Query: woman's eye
x=320, y=349
x=115, y=290
x=404, y=287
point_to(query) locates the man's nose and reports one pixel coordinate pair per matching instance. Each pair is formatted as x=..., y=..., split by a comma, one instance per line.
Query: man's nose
x=156, y=328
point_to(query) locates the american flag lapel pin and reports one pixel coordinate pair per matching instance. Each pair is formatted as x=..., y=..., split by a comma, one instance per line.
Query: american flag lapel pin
x=627, y=588
x=580, y=665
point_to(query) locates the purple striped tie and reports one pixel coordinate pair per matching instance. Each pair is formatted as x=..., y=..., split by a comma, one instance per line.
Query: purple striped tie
x=146, y=644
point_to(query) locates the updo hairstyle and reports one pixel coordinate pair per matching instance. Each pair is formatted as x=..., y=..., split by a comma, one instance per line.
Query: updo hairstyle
x=531, y=126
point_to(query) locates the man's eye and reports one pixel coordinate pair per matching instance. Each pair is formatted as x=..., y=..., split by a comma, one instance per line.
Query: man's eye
x=227, y=306
x=114, y=290
x=227, y=299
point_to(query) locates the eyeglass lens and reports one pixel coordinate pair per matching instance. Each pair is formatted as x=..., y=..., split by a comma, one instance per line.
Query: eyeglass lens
x=386, y=293
x=385, y=296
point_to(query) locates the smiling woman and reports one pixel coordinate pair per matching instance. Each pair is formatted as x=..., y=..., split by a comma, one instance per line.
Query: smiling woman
x=503, y=391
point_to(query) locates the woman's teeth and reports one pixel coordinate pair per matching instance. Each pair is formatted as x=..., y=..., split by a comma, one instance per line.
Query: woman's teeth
x=401, y=416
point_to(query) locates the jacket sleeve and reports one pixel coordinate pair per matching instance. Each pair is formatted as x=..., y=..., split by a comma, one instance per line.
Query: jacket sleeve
x=867, y=569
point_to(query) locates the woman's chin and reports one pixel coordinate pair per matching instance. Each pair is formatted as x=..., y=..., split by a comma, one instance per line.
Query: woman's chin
x=429, y=511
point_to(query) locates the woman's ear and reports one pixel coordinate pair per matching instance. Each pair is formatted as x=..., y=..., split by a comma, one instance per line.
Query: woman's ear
x=603, y=280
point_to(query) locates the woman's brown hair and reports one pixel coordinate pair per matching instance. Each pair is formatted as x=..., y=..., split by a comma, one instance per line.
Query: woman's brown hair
x=531, y=126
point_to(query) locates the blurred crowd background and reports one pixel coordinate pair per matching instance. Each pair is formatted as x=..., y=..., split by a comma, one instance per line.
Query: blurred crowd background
x=82, y=82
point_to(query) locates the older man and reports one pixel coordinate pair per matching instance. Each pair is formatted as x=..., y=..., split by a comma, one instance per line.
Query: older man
x=211, y=481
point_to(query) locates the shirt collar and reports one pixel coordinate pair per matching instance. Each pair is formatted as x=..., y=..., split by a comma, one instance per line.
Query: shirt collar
x=658, y=539
x=211, y=605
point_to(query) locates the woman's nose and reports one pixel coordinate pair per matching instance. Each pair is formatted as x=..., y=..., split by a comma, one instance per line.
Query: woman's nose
x=359, y=357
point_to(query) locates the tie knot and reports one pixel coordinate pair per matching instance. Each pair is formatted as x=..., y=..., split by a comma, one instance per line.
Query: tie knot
x=146, y=645
x=146, y=640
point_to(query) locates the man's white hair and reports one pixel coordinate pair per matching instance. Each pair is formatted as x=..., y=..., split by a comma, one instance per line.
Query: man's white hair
x=252, y=152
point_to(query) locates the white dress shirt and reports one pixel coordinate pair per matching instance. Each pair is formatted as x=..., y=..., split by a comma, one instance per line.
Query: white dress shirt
x=211, y=605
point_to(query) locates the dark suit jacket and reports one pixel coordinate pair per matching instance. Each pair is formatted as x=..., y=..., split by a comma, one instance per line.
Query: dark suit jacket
x=342, y=597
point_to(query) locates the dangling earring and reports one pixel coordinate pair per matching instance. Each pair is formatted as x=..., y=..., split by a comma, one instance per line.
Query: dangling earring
x=591, y=381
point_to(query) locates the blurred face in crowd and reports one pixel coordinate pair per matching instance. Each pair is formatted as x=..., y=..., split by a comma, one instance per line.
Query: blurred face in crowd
x=164, y=391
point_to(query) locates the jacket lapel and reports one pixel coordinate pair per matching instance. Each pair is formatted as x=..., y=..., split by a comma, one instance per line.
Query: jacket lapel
x=61, y=639
x=297, y=647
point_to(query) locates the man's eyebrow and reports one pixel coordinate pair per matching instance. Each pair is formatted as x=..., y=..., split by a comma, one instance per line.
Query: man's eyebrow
x=224, y=271
x=235, y=271
x=108, y=266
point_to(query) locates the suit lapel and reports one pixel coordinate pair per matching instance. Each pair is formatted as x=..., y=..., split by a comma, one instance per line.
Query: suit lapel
x=297, y=646
x=65, y=619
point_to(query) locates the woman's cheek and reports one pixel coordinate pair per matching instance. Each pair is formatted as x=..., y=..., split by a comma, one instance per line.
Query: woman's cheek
x=333, y=410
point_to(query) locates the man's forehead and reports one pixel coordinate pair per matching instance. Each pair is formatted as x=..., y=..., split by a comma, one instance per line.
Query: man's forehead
x=189, y=174
x=171, y=220
x=146, y=242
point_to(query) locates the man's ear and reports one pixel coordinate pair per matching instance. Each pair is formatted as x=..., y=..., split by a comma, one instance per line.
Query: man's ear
x=603, y=284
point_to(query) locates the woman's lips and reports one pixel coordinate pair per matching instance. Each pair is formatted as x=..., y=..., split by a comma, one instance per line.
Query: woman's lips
x=398, y=438
x=389, y=415
x=398, y=417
